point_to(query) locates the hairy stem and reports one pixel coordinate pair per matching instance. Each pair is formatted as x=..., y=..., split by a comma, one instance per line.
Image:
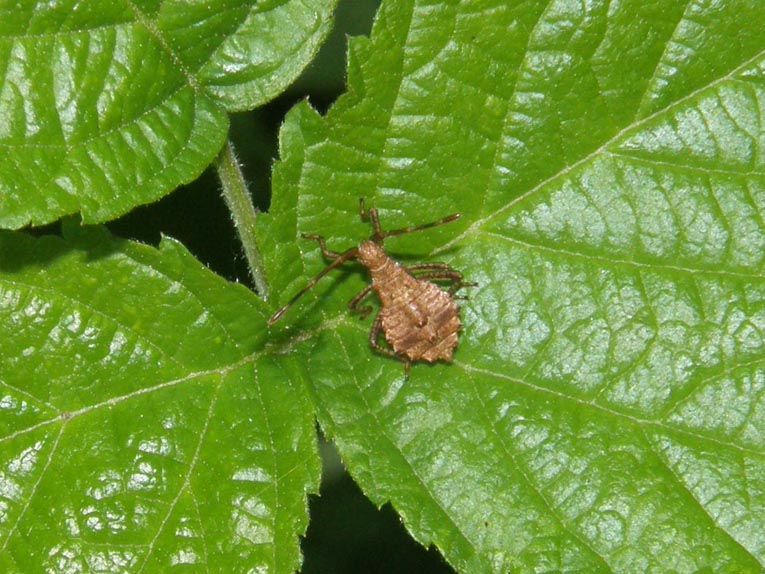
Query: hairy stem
x=243, y=213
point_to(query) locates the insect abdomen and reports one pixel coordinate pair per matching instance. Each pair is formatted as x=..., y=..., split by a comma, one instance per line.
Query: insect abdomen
x=422, y=325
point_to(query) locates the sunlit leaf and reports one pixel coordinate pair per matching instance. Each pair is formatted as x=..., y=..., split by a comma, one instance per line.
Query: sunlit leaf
x=142, y=428
x=108, y=105
x=604, y=412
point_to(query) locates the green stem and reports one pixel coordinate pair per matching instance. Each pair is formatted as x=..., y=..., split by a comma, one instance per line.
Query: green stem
x=243, y=213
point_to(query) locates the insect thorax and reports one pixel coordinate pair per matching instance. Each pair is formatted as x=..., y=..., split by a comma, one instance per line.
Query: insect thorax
x=372, y=256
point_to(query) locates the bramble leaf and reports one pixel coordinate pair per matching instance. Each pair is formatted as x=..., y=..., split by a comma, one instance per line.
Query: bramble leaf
x=109, y=105
x=604, y=412
x=142, y=425
x=605, y=409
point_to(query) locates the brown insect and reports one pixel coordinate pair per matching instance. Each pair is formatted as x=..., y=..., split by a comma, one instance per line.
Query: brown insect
x=420, y=320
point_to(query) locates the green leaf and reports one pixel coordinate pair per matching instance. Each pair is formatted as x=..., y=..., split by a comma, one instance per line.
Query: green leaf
x=105, y=106
x=604, y=412
x=142, y=426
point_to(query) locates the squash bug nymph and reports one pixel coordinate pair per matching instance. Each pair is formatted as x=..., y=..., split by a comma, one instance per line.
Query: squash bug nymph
x=419, y=319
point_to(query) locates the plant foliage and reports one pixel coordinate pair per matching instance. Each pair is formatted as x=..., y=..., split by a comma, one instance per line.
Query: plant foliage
x=605, y=410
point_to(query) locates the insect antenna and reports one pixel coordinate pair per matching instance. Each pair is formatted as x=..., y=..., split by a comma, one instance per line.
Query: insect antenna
x=447, y=219
x=378, y=234
x=341, y=258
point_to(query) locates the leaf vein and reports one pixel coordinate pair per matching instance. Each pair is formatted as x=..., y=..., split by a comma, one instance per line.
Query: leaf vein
x=611, y=412
x=562, y=522
x=663, y=267
x=382, y=433
x=474, y=228
x=33, y=490
x=186, y=484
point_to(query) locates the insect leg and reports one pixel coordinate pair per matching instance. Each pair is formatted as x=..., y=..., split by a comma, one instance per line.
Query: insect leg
x=322, y=245
x=420, y=266
x=374, y=335
x=441, y=271
x=353, y=304
x=336, y=262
